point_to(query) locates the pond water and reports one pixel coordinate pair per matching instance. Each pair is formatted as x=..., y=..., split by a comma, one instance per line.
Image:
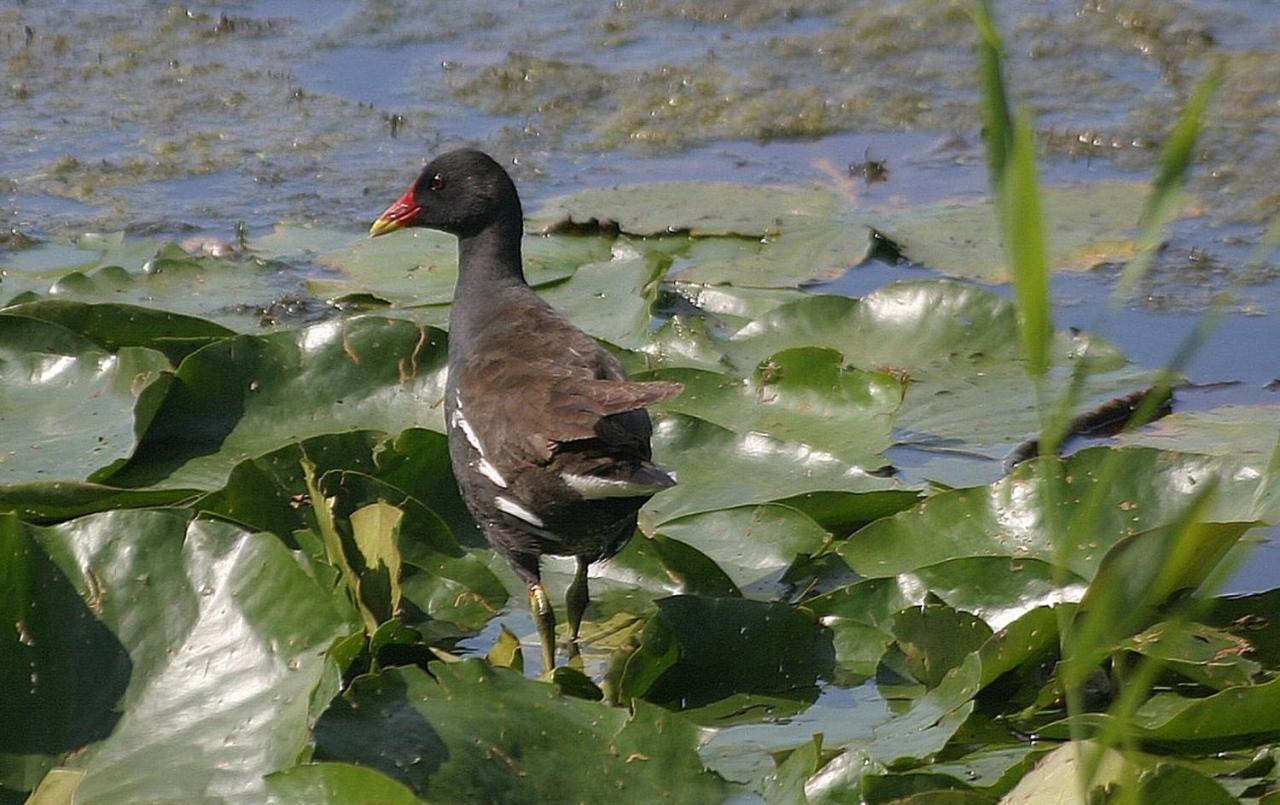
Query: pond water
x=174, y=120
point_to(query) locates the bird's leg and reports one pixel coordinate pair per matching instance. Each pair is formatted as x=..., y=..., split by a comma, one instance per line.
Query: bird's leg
x=545, y=619
x=576, y=598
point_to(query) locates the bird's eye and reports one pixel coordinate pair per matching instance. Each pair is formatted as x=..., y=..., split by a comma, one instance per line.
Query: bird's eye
x=436, y=183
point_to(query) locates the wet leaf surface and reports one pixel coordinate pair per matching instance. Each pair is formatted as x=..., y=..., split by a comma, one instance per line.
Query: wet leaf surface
x=498, y=753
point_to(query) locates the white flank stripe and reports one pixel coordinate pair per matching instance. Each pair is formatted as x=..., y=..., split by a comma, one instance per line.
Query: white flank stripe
x=460, y=422
x=491, y=472
x=517, y=511
x=593, y=487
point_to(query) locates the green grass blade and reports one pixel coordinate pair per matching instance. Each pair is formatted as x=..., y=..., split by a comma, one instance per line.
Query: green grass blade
x=1025, y=246
x=997, y=120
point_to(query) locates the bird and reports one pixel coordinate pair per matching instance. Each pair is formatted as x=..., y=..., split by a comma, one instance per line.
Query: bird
x=549, y=439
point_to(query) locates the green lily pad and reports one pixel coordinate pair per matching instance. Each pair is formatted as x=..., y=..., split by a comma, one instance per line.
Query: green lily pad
x=1212, y=657
x=697, y=650
x=1233, y=716
x=752, y=544
x=475, y=733
x=1085, y=225
x=803, y=395
x=956, y=348
x=336, y=784
x=420, y=266
x=699, y=209
x=936, y=638
x=54, y=501
x=1231, y=430
x=1144, y=489
x=772, y=237
x=113, y=326
x=611, y=300
x=243, y=295
x=180, y=657
x=66, y=404
x=248, y=395
x=720, y=469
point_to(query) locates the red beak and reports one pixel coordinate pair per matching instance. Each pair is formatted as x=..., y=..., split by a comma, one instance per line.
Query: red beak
x=397, y=216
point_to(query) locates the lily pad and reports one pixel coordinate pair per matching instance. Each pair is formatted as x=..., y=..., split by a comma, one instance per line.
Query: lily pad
x=66, y=404
x=474, y=733
x=956, y=348
x=720, y=469
x=113, y=326
x=147, y=273
x=336, y=784
x=420, y=266
x=752, y=544
x=804, y=395
x=248, y=395
x=697, y=650
x=700, y=209
x=1085, y=225
x=1251, y=431
x=1012, y=518
x=181, y=657
x=1229, y=717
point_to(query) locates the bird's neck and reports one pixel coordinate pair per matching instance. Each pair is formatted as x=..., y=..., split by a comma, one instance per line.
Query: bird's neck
x=489, y=265
x=491, y=258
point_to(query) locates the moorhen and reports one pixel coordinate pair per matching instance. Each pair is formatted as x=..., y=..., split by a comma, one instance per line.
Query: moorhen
x=548, y=438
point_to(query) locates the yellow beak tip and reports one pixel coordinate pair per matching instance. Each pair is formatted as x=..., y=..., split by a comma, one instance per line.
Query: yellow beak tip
x=384, y=225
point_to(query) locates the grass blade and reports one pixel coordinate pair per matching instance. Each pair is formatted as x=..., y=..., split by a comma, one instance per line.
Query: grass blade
x=1025, y=246
x=997, y=120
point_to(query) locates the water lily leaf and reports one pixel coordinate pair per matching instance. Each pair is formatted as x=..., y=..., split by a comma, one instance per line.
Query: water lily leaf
x=424, y=732
x=611, y=300
x=1142, y=572
x=804, y=395
x=248, y=395
x=444, y=582
x=720, y=469
x=925, y=729
x=920, y=788
x=732, y=304
x=144, y=624
x=53, y=501
x=764, y=237
x=1145, y=489
x=112, y=326
x=336, y=784
x=1254, y=618
x=66, y=404
x=1230, y=430
x=804, y=250
x=956, y=348
x=936, y=638
x=666, y=566
x=420, y=266
x=699, y=209
x=752, y=544
x=506, y=652
x=1212, y=657
x=1232, y=716
x=242, y=295
x=697, y=650
x=1084, y=226
x=786, y=787
x=1055, y=779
